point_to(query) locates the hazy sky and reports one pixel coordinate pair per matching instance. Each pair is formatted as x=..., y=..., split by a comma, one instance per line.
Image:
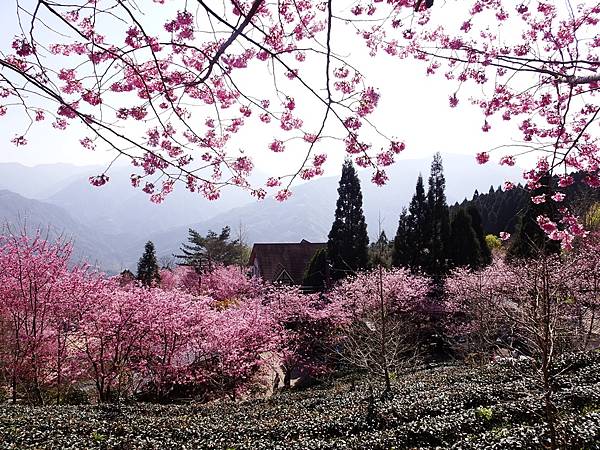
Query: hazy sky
x=412, y=107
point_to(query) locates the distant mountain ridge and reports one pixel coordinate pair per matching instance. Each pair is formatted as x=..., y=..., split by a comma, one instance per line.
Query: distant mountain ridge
x=119, y=219
x=20, y=213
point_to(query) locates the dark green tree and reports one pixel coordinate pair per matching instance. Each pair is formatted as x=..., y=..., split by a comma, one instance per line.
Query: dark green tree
x=203, y=252
x=438, y=221
x=316, y=275
x=420, y=228
x=403, y=247
x=380, y=252
x=348, y=242
x=410, y=242
x=476, y=223
x=464, y=247
x=530, y=241
x=147, y=270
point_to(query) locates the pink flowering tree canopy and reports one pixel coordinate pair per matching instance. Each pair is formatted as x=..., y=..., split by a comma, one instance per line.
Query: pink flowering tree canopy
x=180, y=78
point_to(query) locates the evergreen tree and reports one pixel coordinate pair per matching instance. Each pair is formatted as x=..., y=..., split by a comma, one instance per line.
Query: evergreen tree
x=411, y=237
x=438, y=221
x=403, y=246
x=316, y=275
x=464, y=247
x=419, y=232
x=530, y=241
x=203, y=252
x=147, y=270
x=476, y=223
x=380, y=252
x=348, y=242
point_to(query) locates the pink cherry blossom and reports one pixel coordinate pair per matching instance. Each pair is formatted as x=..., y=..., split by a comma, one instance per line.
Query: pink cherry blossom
x=539, y=199
x=482, y=157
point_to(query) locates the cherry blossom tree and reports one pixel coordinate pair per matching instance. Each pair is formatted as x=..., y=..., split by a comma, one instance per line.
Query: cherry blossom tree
x=585, y=280
x=305, y=325
x=535, y=308
x=221, y=283
x=473, y=309
x=381, y=313
x=35, y=289
x=179, y=78
x=113, y=327
x=174, y=319
x=235, y=344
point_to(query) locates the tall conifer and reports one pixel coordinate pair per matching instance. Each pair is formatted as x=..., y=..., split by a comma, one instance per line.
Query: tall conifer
x=438, y=221
x=348, y=242
x=147, y=270
x=403, y=246
x=464, y=247
x=476, y=223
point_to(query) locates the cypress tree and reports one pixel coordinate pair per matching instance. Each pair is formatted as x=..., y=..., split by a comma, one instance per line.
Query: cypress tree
x=317, y=272
x=402, y=249
x=464, y=247
x=420, y=228
x=348, y=242
x=438, y=221
x=476, y=223
x=147, y=270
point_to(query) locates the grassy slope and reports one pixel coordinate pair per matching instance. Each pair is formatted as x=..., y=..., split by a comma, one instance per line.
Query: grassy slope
x=495, y=407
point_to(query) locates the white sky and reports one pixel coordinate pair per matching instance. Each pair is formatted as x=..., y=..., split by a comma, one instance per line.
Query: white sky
x=412, y=107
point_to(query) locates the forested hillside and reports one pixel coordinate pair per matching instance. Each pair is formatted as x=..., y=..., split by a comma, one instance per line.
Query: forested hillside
x=500, y=209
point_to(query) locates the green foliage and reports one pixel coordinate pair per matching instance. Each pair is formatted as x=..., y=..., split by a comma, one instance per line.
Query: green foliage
x=147, y=270
x=348, y=242
x=380, y=252
x=412, y=234
x=317, y=272
x=422, y=239
x=203, y=252
x=98, y=437
x=464, y=247
x=493, y=407
x=592, y=217
x=493, y=242
x=591, y=408
x=484, y=413
x=438, y=221
x=500, y=210
x=402, y=251
x=476, y=222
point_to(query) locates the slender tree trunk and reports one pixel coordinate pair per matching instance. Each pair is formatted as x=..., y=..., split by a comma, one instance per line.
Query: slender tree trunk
x=590, y=330
x=14, y=387
x=384, y=359
x=58, y=369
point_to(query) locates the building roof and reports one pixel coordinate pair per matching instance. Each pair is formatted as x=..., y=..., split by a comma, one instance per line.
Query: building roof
x=284, y=261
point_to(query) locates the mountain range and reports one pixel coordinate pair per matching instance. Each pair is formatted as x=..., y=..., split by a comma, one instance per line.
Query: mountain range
x=110, y=224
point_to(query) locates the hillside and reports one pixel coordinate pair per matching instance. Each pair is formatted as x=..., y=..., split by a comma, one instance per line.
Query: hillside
x=492, y=407
x=500, y=210
x=123, y=219
x=308, y=214
x=40, y=182
x=19, y=212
